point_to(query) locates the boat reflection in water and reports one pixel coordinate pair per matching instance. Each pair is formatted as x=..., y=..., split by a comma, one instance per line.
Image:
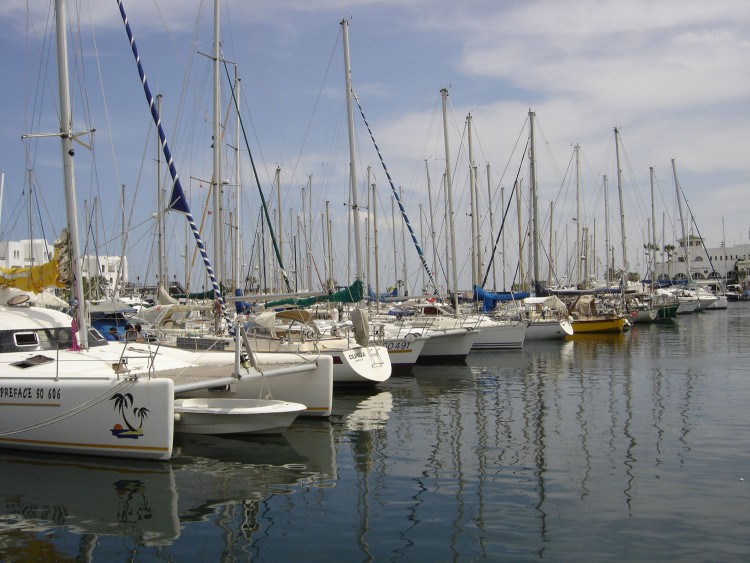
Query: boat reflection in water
x=88, y=496
x=113, y=508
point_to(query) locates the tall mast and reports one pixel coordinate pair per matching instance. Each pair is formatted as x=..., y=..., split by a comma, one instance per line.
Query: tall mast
x=449, y=196
x=652, y=250
x=367, y=230
x=520, y=234
x=475, y=274
x=492, y=226
x=160, y=197
x=279, y=225
x=66, y=138
x=551, y=250
x=685, y=242
x=432, y=220
x=217, y=222
x=622, y=208
x=578, y=213
x=534, y=211
x=352, y=151
x=375, y=243
x=237, y=192
x=608, y=266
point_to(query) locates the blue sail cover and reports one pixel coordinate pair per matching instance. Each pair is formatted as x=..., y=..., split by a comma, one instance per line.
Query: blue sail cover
x=490, y=300
x=372, y=297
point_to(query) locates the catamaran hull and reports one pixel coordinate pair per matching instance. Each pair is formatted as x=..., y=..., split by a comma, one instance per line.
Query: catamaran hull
x=103, y=416
x=548, y=330
x=369, y=365
x=313, y=387
x=500, y=337
x=451, y=345
x=404, y=351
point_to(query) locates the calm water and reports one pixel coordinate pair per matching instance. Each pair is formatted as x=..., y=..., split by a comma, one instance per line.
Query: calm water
x=628, y=447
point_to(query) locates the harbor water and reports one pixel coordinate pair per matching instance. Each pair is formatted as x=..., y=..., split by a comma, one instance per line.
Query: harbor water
x=625, y=447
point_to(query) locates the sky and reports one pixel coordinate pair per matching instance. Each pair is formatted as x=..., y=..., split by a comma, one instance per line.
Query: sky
x=672, y=76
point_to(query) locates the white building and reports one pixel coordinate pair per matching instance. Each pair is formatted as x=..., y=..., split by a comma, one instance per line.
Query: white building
x=107, y=267
x=24, y=253
x=705, y=263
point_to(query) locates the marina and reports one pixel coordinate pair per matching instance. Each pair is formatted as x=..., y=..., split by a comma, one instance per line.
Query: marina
x=623, y=446
x=236, y=351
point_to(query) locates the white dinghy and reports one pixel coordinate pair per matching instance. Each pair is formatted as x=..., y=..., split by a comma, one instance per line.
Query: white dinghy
x=234, y=416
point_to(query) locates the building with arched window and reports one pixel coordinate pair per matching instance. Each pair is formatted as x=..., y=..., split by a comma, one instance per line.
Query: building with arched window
x=705, y=263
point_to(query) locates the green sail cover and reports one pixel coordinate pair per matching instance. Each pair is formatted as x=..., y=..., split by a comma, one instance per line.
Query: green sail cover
x=352, y=294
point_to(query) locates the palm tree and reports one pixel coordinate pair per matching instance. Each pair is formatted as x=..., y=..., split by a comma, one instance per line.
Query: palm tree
x=122, y=403
x=142, y=414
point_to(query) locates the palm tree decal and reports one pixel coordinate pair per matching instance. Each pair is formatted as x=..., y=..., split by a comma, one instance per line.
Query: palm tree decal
x=142, y=414
x=122, y=404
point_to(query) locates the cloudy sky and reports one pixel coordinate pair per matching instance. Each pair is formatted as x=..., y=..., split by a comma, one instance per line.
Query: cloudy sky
x=672, y=76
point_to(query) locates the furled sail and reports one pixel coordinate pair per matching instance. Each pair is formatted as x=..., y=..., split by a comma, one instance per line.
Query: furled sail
x=55, y=273
x=352, y=294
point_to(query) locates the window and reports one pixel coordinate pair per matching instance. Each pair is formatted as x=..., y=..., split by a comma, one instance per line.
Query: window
x=26, y=339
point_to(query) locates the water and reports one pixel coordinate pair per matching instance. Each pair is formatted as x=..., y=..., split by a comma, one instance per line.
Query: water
x=627, y=447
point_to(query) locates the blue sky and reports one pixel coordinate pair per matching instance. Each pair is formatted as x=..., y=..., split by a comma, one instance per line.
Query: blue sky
x=673, y=76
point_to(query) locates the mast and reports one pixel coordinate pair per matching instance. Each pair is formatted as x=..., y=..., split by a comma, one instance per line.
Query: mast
x=449, y=196
x=237, y=192
x=472, y=193
x=622, y=208
x=66, y=138
x=217, y=222
x=652, y=250
x=395, y=248
x=606, y=229
x=492, y=226
x=352, y=151
x=578, y=213
x=404, y=271
x=551, y=253
x=160, y=197
x=433, y=237
x=367, y=225
x=685, y=242
x=534, y=211
x=279, y=224
x=520, y=235
x=375, y=243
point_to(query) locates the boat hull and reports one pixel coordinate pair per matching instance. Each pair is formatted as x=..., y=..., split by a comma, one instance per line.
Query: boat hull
x=360, y=365
x=548, y=330
x=582, y=326
x=500, y=337
x=313, y=388
x=450, y=345
x=234, y=416
x=106, y=416
x=404, y=350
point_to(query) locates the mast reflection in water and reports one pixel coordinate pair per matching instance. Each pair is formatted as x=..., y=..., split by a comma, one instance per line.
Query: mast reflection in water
x=627, y=446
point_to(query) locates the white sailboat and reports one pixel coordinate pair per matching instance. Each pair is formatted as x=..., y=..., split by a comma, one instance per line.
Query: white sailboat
x=57, y=396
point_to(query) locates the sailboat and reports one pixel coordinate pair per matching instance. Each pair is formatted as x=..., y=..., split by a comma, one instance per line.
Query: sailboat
x=238, y=373
x=61, y=396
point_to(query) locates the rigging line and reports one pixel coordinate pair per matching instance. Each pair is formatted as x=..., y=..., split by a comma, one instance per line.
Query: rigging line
x=692, y=217
x=397, y=197
x=260, y=190
x=178, y=201
x=505, y=215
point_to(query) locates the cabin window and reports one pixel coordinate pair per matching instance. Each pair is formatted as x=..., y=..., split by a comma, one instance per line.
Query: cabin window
x=33, y=361
x=26, y=339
